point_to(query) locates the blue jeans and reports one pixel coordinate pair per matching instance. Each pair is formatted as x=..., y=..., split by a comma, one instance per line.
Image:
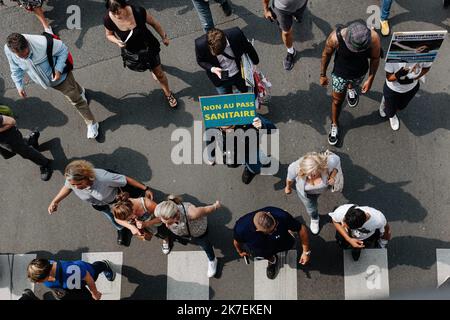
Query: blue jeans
x=227, y=86
x=204, y=243
x=385, y=9
x=204, y=13
x=310, y=202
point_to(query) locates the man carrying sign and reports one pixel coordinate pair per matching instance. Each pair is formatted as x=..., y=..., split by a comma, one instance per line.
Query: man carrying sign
x=240, y=134
x=220, y=53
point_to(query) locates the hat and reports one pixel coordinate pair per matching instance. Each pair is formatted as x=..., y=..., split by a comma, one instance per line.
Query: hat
x=358, y=37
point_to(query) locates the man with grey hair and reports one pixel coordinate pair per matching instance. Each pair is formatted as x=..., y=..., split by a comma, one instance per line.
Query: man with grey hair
x=265, y=232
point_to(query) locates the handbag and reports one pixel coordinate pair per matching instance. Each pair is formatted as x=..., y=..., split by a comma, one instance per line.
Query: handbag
x=339, y=178
x=136, y=61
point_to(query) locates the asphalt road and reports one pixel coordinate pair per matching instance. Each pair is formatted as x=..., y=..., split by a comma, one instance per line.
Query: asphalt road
x=405, y=174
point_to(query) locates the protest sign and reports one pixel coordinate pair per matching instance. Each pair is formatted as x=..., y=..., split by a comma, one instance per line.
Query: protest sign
x=415, y=47
x=226, y=110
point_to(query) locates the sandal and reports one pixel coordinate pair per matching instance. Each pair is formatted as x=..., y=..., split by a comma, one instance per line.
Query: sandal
x=172, y=100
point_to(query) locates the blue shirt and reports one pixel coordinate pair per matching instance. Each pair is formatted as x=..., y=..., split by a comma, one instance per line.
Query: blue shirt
x=36, y=64
x=264, y=245
x=69, y=268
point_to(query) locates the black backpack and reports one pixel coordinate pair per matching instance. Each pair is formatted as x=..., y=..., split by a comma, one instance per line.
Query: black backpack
x=69, y=61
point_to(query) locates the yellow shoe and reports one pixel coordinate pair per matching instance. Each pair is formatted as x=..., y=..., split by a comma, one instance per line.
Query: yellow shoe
x=385, y=28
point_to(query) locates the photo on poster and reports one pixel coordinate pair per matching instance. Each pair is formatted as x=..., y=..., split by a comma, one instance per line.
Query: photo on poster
x=415, y=47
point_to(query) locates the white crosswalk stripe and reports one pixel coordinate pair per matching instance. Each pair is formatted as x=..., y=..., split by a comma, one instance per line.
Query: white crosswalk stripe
x=367, y=278
x=443, y=265
x=284, y=286
x=186, y=276
x=13, y=275
x=110, y=290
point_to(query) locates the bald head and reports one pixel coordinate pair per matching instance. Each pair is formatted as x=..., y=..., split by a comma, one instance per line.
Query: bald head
x=264, y=221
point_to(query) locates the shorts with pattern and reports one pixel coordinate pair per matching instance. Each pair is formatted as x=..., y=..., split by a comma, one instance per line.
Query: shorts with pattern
x=340, y=84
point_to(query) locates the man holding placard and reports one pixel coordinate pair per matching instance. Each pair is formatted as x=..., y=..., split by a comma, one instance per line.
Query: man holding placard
x=220, y=54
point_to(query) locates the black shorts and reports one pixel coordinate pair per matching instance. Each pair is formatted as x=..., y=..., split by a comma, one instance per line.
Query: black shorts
x=285, y=19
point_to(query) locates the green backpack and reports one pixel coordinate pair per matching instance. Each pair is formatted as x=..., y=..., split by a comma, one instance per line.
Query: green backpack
x=6, y=111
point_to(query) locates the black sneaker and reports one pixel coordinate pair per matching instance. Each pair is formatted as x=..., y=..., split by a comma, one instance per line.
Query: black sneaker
x=289, y=61
x=352, y=98
x=356, y=253
x=271, y=270
x=247, y=176
x=226, y=7
x=27, y=294
x=333, y=135
x=110, y=274
x=33, y=139
x=46, y=172
x=124, y=237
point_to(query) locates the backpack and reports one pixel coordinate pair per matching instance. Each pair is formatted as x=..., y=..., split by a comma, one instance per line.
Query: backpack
x=69, y=61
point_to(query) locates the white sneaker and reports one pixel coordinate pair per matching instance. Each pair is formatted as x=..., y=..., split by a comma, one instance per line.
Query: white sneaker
x=92, y=130
x=381, y=110
x=83, y=94
x=212, y=268
x=395, y=124
x=314, y=226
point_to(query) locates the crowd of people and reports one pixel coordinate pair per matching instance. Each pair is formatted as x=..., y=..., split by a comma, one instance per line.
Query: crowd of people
x=130, y=206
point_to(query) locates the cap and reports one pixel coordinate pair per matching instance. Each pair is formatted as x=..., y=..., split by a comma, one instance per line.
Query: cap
x=357, y=37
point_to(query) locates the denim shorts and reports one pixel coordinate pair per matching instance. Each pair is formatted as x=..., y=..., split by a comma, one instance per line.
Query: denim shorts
x=340, y=84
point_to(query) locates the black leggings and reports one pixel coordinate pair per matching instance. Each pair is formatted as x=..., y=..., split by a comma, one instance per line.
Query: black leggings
x=395, y=101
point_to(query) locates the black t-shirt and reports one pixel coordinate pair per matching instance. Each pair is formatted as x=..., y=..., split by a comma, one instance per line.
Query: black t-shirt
x=142, y=36
x=264, y=245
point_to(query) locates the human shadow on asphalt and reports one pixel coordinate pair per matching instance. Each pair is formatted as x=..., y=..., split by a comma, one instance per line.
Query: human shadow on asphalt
x=155, y=287
x=430, y=12
x=123, y=160
x=196, y=80
x=364, y=189
x=309, y=107
x=92, y=13
x=414, y=251
x=426, y=113
x=33, y=113
x=147, y=110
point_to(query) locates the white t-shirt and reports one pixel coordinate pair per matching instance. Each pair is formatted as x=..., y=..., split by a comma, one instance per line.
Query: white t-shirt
x=415, y=70
x=227, y=63
x=376, y=221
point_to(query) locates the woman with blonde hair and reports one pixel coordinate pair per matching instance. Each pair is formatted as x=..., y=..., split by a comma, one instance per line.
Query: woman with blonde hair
x=314, y=173
x=99, y=188
x=137, y=215
x=189, y=224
